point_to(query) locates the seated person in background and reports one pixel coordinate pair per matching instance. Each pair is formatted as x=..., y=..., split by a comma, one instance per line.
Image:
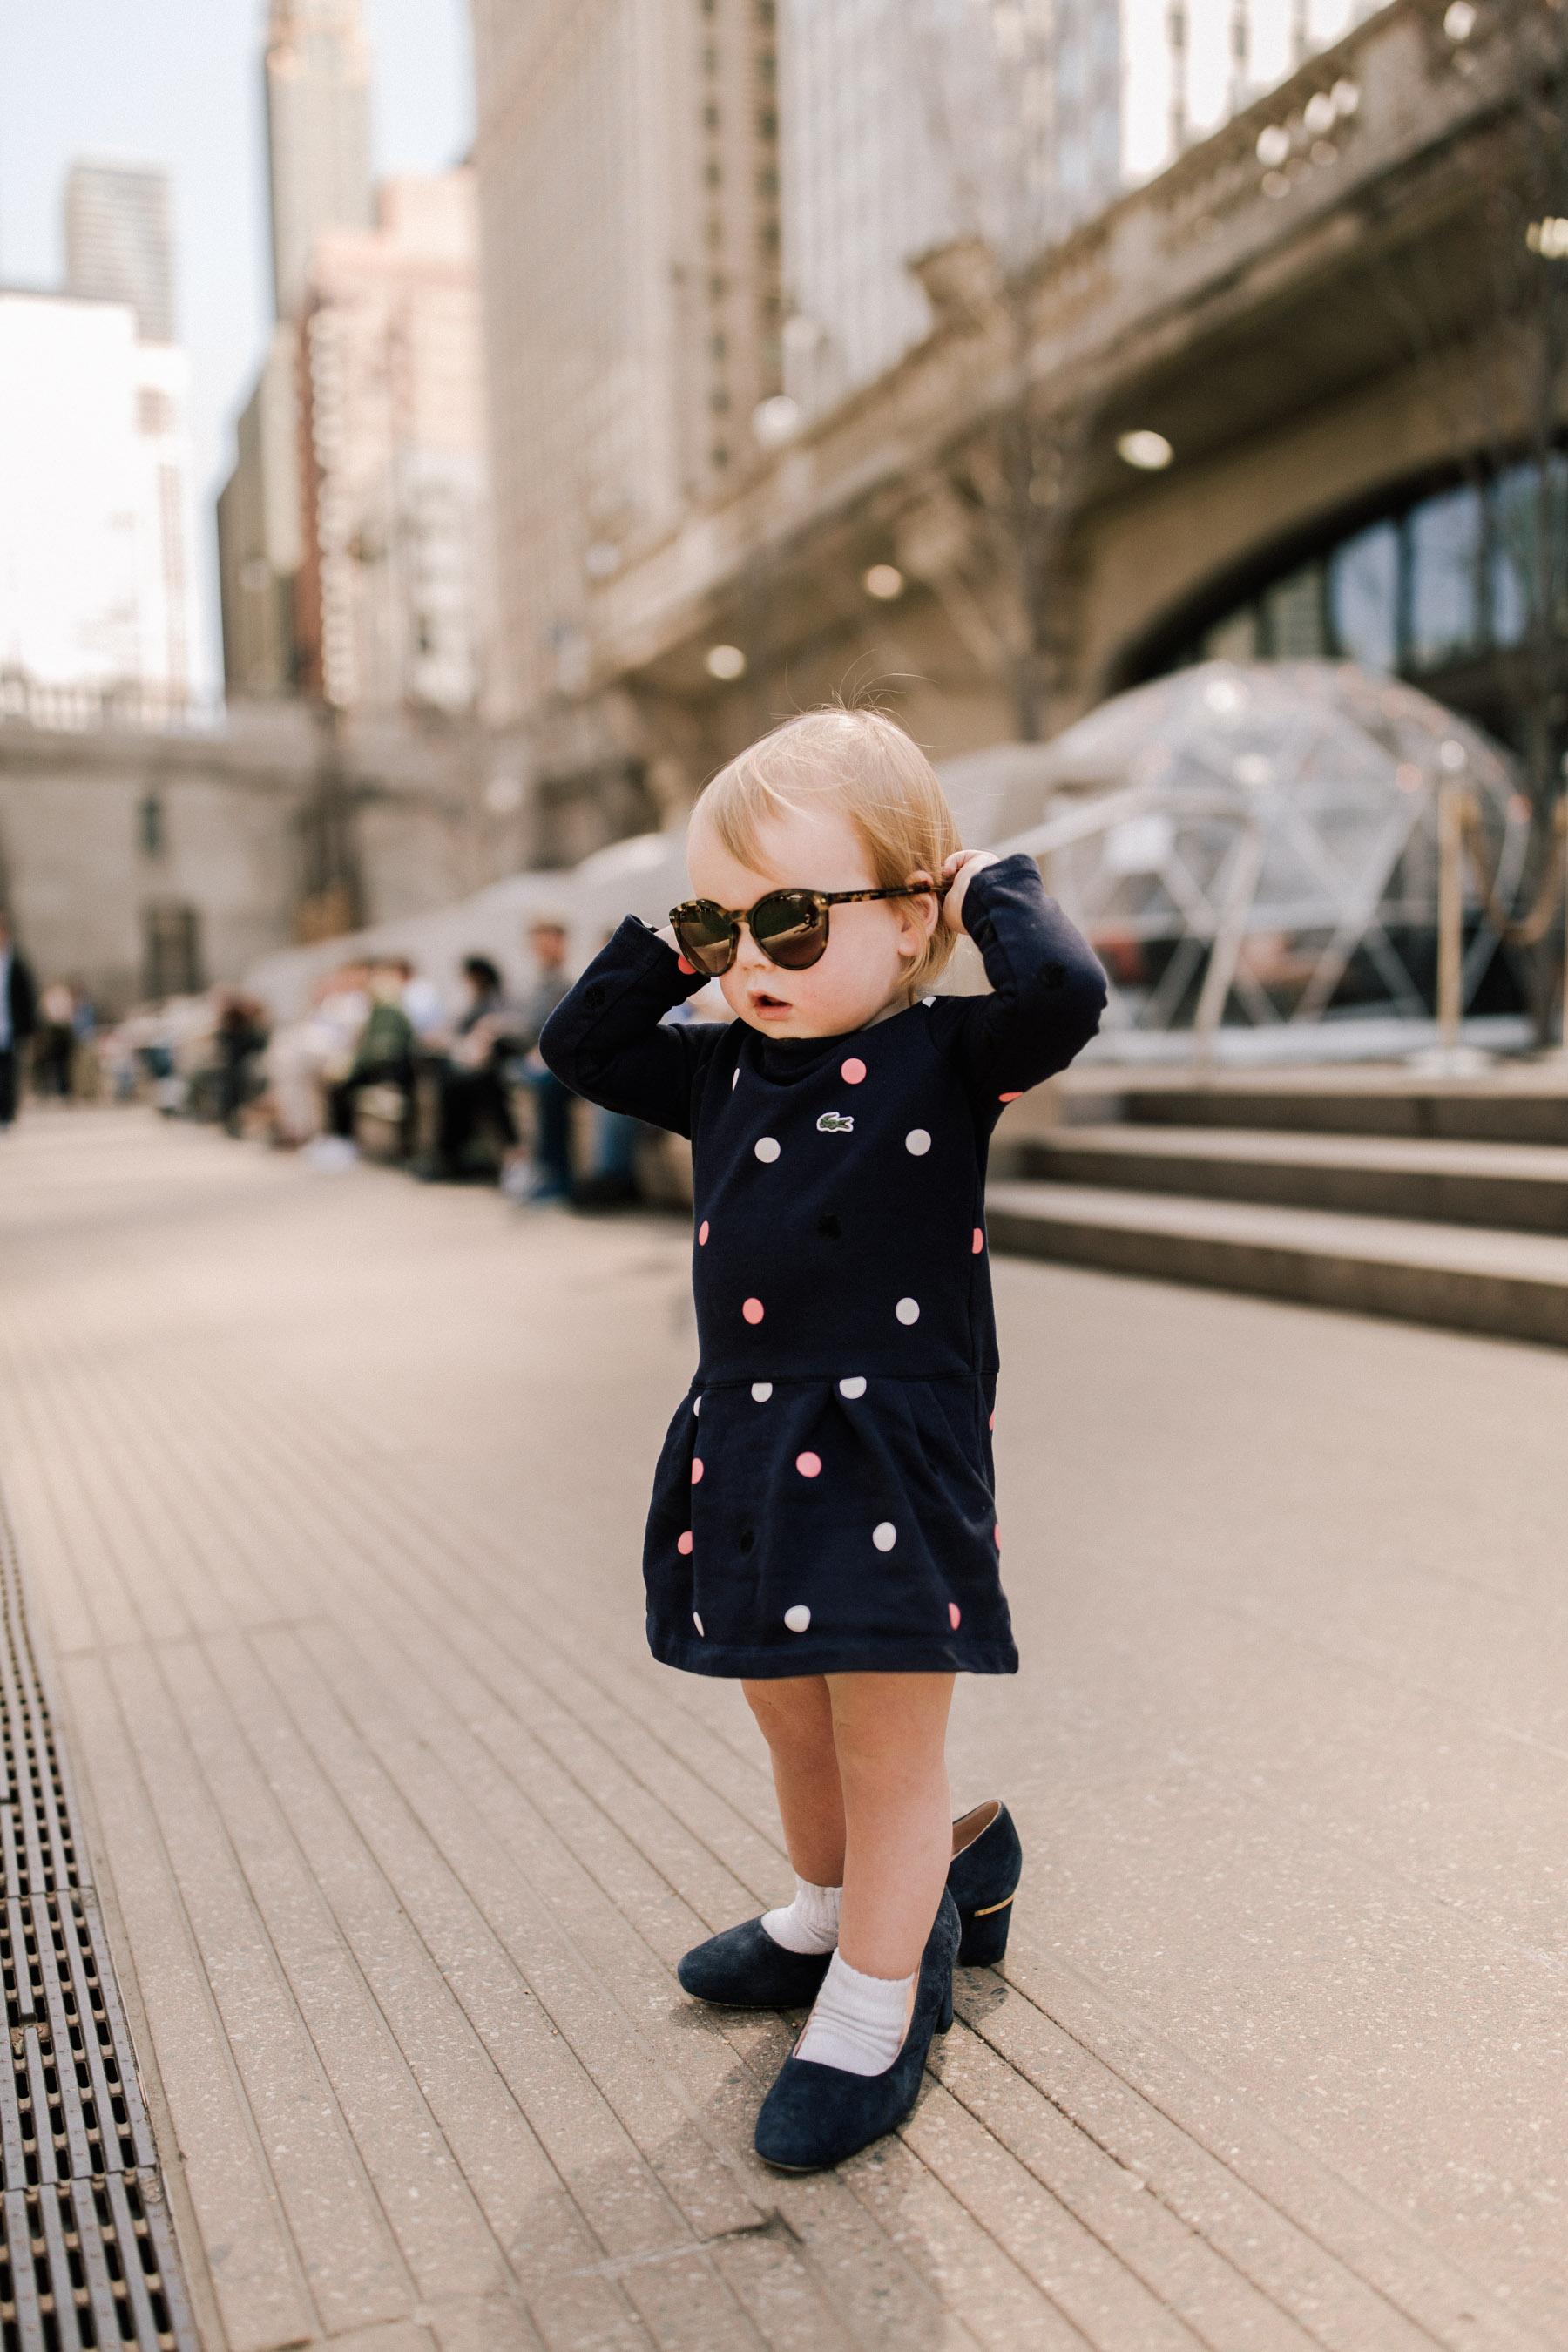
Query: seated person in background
x=307, y=1056
x=383, y=1053
x=470, y=1082
x=54, y=1044
x=240, y=1041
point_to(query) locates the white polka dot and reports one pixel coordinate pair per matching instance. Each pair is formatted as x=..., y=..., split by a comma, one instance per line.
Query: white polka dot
x=852, y=1387
x=697, y=1622
x=766, y=1148
x=798, y=1618
x=908, y=1310
x=734, y=1080
x=885, y=1536
x=761, y=1392
x=928, y=999
x=918, y=1142
x=695, y=1404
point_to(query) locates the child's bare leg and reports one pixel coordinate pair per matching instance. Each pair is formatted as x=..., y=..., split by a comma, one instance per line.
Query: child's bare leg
x=795, y=1714
x=889, y=1734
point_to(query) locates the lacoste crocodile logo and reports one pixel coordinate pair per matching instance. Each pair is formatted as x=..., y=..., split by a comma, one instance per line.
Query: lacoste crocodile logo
x=833, y=1122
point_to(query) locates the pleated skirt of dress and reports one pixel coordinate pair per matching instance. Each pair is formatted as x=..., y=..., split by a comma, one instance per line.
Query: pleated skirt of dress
x=810, y=1527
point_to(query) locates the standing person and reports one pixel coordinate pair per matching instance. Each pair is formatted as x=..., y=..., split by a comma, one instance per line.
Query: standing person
x=18, y=1017
x=552, y=1098
x=823, y=1524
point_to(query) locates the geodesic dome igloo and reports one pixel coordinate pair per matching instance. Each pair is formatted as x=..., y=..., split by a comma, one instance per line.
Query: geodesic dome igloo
x=1258, y=843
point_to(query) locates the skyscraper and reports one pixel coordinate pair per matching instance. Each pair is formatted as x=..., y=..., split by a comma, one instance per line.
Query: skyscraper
x=390, y=388
x=318, y=132
x=908, y=123
x=627, y=158
x=317, y=74
x=120, y=242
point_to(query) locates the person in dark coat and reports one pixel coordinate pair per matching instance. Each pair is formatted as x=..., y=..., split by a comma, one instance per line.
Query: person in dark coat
x=824, y=1526
x=18, y=1017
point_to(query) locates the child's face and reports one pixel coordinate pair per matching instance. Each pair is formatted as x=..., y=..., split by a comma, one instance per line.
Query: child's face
x=871, y=947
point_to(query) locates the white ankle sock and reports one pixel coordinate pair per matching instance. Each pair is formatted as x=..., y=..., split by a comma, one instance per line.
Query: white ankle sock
x=860, y=2022
x=809, y=1924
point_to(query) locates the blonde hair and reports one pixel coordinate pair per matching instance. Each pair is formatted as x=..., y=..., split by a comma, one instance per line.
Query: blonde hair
x=867, y=769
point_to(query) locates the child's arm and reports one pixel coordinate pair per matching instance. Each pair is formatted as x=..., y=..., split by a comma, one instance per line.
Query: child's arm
x=604, y=1039
x=1049, y=990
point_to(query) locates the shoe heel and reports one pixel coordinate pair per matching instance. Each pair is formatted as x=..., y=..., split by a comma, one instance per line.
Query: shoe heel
x=944, y=2014
x=984, y=1937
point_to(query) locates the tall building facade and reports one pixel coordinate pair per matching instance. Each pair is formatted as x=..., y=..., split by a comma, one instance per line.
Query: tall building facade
x=318, y=132
x=120, y=245
x=317, y=77
x=389, y=597
x=96, y=550
x=906, y=123
x=628, y=171
x=259, y=537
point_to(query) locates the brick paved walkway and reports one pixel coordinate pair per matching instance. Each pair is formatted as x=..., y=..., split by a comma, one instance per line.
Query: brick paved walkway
x=330, y=1490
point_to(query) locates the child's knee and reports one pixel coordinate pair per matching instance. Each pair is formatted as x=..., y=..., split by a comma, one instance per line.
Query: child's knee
x=793, y=1712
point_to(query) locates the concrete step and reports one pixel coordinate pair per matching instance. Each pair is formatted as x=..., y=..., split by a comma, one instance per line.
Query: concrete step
x=1520, y=1186
x=1510, y=1284
x=1509, y=1108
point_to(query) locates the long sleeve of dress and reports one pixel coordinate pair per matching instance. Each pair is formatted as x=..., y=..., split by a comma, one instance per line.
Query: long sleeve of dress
x=1049, y=990
x=604, y=1041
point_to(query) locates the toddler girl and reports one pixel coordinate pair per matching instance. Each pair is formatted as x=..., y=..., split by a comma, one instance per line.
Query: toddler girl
x=823, y=1524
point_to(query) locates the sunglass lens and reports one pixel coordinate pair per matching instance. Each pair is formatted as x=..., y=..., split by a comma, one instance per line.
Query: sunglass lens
x=790, y=929
x=705, y=935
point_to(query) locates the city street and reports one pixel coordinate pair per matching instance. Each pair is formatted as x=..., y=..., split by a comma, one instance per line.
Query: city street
x=328, y=1491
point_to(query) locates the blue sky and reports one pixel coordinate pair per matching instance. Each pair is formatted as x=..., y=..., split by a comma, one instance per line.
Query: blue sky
x=178, y=83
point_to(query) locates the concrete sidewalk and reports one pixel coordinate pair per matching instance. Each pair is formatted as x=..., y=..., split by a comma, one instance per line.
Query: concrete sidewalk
x=330, y=1490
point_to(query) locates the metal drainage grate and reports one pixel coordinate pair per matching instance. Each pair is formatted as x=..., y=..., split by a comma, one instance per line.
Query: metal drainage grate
x=88, y=2252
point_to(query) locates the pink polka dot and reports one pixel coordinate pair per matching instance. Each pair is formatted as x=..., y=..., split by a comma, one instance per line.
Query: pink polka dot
x=702, y=1235
x=808, y=1464
x=752, y=1311
x=992, y=1423
x=852, y=1072
x=681, y=964
x=997, y=1533
x=683, y=1543
x=976, y=1245
x=696, y=1469
x=954, y=1613
x=1015, y=1098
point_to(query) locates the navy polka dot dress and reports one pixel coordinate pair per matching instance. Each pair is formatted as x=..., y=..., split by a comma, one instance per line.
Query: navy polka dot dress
x=824, y=1500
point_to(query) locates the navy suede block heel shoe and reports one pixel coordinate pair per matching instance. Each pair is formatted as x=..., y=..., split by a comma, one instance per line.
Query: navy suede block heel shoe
x=982, y=1879
x=744, y=1969
x=817, y=2115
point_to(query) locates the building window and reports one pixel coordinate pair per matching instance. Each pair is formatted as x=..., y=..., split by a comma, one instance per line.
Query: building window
x=171, y=950
x=150, y=826
x=155, y=411
x=1437, y=588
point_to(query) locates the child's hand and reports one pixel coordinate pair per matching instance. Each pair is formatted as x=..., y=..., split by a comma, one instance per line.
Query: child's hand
x=958, y=870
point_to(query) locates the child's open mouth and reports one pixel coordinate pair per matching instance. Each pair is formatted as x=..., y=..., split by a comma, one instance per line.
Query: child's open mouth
x=767, y=1006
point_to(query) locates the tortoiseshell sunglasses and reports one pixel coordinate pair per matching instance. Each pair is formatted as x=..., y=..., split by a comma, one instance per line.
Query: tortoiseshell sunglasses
x=790, y=927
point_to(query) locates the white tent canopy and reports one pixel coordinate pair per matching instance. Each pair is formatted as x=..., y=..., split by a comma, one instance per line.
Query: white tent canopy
x=1248, y=842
